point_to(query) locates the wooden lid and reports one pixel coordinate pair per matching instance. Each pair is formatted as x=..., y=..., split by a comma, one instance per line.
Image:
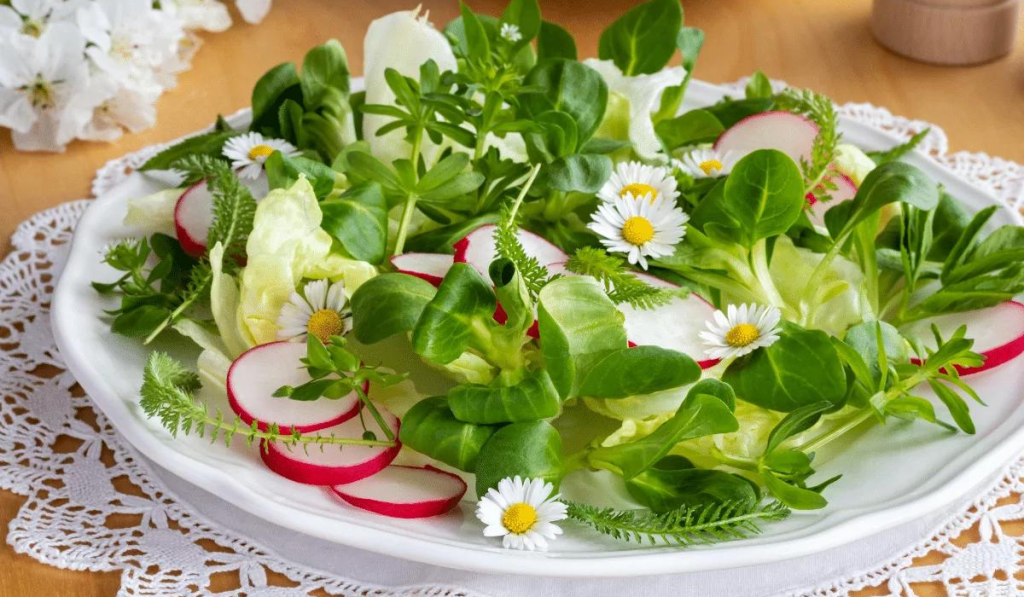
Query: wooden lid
x=955, y=32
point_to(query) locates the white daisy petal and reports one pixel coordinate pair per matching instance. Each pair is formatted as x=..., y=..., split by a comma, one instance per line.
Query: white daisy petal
x=707, y=163
x=639, y=227
x=294, y=317
x=639, y=180
x=740, y=330
x=522, y=512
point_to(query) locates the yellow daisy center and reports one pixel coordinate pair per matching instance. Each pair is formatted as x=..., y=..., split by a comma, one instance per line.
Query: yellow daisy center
x=33, y=28
x=260, y=151
x=710, y=166
x=639, y=190
x=742, y=335
x=325, y=323
x=519, y=518
x=637, y=230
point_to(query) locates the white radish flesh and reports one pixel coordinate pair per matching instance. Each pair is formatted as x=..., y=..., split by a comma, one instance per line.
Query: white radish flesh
x=675, y=325
x=789, y=133
x=998, y=333
x=335, y=464
x=431, y=267
x=478, y=249
x=193, y=216
x=259, y=372
x=405, y=492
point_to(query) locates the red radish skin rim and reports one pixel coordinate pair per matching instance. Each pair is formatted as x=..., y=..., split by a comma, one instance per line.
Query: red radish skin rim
x=725, y=133
x=413, y=510
x=994, y=357
x=299, y=471
x=248, y=419
x=191, y=246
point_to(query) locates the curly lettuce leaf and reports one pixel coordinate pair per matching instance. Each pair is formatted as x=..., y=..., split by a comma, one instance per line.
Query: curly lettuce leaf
x=287, y=245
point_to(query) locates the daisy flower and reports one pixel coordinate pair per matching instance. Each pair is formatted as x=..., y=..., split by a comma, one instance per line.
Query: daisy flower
x=511, y=32
x=741, y=330
x=319, y=310
x=522, y=513
x=640, y=180
x=648, y=228
x=707, y=163
x=249, y=151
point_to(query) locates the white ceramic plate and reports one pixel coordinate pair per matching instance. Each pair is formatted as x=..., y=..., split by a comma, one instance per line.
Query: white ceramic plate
x=893, y=474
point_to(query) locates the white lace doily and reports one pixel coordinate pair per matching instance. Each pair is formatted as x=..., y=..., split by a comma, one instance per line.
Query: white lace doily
x=94, y=504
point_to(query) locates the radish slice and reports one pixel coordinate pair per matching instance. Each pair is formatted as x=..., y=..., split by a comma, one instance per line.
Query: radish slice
x=845, y=191
x=405, y=492
x=675, y=325
x=790, y=133
x=259, y=372
x=193, y=216
x=998, y=333
x=334, y=465
x=478, y=250
x=431, y=267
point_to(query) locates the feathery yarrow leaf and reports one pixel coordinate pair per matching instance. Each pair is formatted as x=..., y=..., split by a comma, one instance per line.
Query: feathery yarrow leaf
x=621, y=284
x=684, y=526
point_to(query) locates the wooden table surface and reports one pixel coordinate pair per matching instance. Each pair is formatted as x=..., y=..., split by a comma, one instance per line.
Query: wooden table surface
x=824, y=44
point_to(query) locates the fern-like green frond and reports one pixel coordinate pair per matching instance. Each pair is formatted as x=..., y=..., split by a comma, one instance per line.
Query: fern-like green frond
x=684, y=526
x=621, y=284
x=820, y=110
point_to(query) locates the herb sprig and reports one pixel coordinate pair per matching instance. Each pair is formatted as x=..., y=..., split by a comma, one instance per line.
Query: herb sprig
x=167, y=394
x=820, y=110
x=684, y=526
x=620, y=283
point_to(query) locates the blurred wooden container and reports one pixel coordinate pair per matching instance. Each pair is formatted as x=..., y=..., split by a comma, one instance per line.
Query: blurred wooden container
x=954, y=32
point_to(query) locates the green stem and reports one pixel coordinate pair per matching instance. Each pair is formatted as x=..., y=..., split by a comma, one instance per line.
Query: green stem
x=809, y=307
x=403, y=226
x=862, y=416
x=410, y=201
x=185, y=304
x=759, y=268
x=577, y=461
x=388, y=433
x=249, y=432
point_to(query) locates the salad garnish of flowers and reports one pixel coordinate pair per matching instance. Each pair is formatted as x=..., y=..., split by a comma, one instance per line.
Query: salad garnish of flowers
x=500, y=266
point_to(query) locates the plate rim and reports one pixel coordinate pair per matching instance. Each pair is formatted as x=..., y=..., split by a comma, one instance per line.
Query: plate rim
x=398, y=543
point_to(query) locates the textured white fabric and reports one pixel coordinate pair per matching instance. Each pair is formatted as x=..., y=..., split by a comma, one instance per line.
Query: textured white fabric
x=168, y=537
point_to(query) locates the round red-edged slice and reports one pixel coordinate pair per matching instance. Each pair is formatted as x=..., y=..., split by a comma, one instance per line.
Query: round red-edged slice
x=193, y=216
x=431, y=267
x=405, y=492
x=789, y=133
x=257, y=373
x=675, y=325
x=335, y=464
x=478, y=249
x=998, y=333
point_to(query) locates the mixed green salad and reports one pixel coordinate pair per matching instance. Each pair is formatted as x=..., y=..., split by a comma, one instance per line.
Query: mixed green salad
x=504, y=265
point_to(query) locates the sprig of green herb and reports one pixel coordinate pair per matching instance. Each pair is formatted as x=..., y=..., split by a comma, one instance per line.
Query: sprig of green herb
x=507, y=244
x=820, y=110
x=336, y=372
x=147, y=294
x=619, y=282
x=897, y=152
x=684, y=526
x=167, y=395
x=233, y=211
